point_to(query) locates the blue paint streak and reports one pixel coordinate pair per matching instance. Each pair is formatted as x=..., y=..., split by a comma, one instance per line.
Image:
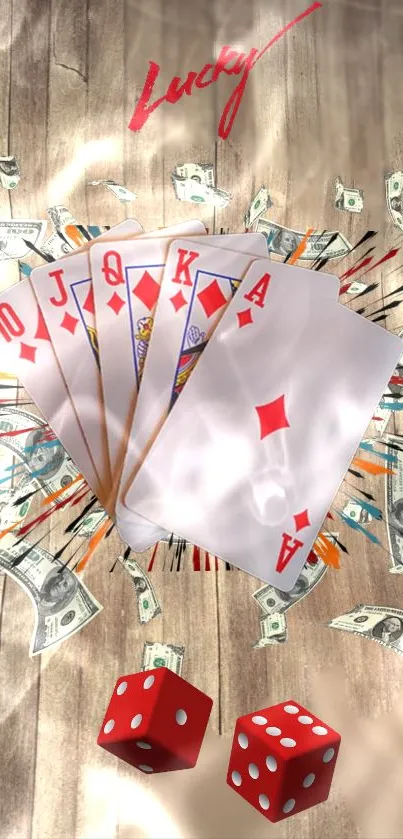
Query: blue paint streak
x=391, y=406
x=369, y=447
x=355, y=525
x=373, y=511
x=25, y=269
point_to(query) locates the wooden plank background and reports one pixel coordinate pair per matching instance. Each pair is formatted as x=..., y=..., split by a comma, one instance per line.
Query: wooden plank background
x=323, y=102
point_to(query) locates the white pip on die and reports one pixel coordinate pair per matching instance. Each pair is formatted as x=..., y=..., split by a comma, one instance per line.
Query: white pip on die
x=282, y=759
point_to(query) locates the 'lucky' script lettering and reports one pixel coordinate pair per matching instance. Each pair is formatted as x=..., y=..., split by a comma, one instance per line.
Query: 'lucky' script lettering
x=209, y=74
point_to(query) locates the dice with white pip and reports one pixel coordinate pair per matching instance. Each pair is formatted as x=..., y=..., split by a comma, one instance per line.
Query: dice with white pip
x=282, y=759
x=155, y=721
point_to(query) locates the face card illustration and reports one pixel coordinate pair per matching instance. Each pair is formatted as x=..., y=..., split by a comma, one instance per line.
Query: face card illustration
x=198, y=283
x=64, y=292
x=249, y=460
x=26, y=350
x=126, y=279
x=126, y=283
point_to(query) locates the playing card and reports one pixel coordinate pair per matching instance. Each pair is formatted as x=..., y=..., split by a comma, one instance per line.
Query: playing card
x=126, y=283
x=126, y=279
x=64, y=291
x=249, y=460
x=26, y=350
x=198, y=283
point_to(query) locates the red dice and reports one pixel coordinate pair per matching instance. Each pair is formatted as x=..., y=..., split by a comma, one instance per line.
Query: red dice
x=282, y=759
x=155, y=721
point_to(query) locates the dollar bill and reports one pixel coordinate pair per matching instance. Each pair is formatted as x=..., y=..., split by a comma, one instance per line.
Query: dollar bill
x=119, y=191
x=91, y=522
x=60, y=216
x=394, y=506
x=284, y=240
x=201, y=172
x=379, y=623
x=187, y=189
x=156, y=654
x=355, y=512
x=42, y=461
x=9, y=172
x=394, y=191
x=273, y=630
x=356, y=288
x=272, y=601
x=147, y=601
x=383, y=414
x=56, y=247
x=63, y=604
x=259, y=204
x=12, y=235
x=347, y=198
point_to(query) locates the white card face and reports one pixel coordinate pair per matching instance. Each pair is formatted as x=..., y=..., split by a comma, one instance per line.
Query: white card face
x=26, y=350
x=126, y=281
x=248, y=462
x=64, y=292
x=197, y=286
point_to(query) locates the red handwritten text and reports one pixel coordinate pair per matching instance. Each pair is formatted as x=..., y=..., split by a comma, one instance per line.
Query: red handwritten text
x=243, y=64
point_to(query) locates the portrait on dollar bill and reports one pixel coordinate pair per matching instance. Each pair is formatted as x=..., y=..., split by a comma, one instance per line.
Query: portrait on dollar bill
x=284, y=242
x=58, y=589
x=389, y=629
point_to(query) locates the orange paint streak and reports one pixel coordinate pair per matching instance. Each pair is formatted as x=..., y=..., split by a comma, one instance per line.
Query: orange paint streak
x=327, y=551
x=75, y=235
x=93, y=544
x=54, y=495
x=371, y=468
x=301, y=247
x=9, y=529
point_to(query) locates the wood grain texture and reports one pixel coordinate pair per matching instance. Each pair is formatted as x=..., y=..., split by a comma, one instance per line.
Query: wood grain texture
x=323, y=102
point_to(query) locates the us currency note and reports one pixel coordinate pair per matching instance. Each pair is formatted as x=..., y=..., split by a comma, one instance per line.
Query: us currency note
x=201, y=172
x=120, y=192
x=9, y=172
x=63, y=604
x=43, y=463
x=60, y=216
x=356, y=288
x=156, y=654
x=188, y=189
x=347, y=198
x=259, y=204
x=90, y=523
x=273, y=630
x=355, y=512
x=284, y=240
x=56, y=247
x=272, y=601
x=394, y=191
x=383, y=414
x=14, y=231
x=147, y=601
x=379, y=623
x=394, y=506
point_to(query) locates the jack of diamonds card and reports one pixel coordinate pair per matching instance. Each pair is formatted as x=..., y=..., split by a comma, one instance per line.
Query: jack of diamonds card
x=249, y=460
x=65, y=295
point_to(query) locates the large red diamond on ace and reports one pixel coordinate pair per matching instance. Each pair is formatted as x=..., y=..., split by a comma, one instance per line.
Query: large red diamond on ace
x=116, y=303
x=212, y=298
x=301, y=520
x=272, y=416
x=69, y=323
x=27, y=352
x=147, y=290
x=178, y=300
